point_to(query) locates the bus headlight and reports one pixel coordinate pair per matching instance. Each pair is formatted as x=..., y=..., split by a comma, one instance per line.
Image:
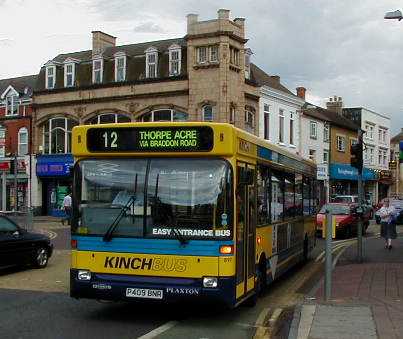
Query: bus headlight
x=84, y=275
x=210, y=282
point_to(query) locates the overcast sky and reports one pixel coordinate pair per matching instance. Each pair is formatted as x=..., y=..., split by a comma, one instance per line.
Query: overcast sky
x=341, y=47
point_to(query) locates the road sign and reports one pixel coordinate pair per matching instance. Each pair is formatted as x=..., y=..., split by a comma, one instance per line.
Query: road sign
x=322, y=172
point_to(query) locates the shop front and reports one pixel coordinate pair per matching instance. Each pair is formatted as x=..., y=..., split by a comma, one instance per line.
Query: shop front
x=9, y=178
x=344, y=180
x=54, y=173
x=384, y=184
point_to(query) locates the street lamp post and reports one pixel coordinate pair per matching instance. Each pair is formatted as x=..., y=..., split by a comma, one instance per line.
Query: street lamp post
x=395, y=15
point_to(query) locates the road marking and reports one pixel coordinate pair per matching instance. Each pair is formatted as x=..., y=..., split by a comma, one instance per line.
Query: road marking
x=339, y=254
x=159, y=330
x=49, y=233
x=305, y=323
x=334, y=248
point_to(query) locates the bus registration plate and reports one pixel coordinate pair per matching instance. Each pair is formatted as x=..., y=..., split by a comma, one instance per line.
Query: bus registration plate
x=144, y=293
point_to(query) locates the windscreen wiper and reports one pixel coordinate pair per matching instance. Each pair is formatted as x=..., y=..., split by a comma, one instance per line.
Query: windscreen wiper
x=180, y=237
x=115, y=223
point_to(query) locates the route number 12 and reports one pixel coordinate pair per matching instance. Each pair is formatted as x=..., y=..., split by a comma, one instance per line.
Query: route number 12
x=110, y=140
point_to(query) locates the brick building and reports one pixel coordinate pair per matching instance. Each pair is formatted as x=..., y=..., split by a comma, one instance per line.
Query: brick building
x=15, y=140
x=205, y=75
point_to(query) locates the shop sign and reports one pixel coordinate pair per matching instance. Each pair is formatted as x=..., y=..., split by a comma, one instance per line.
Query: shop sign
x=322, y=172
x=4, y=166
x=347, y=172
x=385, y=174
x=392, y=165
x=54, y=165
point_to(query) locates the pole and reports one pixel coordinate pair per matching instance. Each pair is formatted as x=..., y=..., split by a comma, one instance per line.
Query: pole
x=328, y=258
x=15, y=182
x=360, y=215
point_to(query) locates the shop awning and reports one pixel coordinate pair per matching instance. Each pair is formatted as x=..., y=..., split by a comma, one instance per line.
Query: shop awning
x=347, y=172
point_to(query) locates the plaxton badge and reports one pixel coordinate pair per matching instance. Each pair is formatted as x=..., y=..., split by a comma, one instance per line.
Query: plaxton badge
x=144, y=264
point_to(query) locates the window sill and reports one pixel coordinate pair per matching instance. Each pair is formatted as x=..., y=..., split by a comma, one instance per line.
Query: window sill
x=313, y=138
x=206, y=65
x=281, y=143
x=292, y=146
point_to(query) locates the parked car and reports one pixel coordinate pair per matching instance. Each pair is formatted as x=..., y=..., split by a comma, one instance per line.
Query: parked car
x=398, y=205
x=353, y=199
x=346, y=218
x=20, y=247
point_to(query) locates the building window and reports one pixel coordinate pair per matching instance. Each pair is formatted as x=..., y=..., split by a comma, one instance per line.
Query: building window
x=97, y=71
x=341, y=143
x=281, y=126
x=369, y=155
x=151, y=64
x=57, y=135
x=384, y=135
x=23, y=141
x=109, y=118
x=353, y=141
x=234, y=56
x=174, y=62
x=325, y=157
x=2, y=141
x=201, y=54
x=267, y=122
x=312, y=155
x=249, y=118
x=50, y=77
x=370, y=131
x=69, y=75
x=164, y=115
x=326, y=134
x=291, y=129
x=12, y=104
x=214, y=53
x=313, y=130
x=120, y=68
x=207, y=113
x=232, y=115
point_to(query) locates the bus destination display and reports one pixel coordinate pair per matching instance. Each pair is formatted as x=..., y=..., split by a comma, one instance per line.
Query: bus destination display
x=150, y=139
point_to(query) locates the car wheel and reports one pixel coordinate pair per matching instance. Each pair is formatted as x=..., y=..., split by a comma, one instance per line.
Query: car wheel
x=41, y=257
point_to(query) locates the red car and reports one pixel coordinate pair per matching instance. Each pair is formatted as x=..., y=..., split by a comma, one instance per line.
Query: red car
x=346, y=219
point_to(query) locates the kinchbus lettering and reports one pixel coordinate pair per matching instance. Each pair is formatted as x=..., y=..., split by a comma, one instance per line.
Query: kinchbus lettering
x=151, y=264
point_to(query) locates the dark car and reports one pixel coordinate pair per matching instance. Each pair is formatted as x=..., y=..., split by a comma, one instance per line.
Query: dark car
x=346, y=218
x=20, y=247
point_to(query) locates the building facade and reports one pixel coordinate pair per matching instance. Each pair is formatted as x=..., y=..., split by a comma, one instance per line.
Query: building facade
x=201, y=77
x=15, y=142
x=279, y=117
x=396, y=164
x=376, y=138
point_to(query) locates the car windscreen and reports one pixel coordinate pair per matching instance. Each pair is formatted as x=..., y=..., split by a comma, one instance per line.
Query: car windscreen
x=160, y=197
x=335, y=209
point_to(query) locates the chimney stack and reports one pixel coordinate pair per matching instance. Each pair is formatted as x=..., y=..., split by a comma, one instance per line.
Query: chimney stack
x=301, y=92
x=101, y=41
x=335, y=104
x=223, y=14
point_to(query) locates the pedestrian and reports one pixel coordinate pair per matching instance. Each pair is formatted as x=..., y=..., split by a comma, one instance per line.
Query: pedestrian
x=67, y=208
x=388, y=226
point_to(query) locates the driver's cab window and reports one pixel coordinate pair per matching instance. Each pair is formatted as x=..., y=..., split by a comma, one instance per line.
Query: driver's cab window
x=7, y=226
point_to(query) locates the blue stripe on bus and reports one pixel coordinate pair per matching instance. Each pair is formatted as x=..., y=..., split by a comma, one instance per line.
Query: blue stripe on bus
x=151, y=246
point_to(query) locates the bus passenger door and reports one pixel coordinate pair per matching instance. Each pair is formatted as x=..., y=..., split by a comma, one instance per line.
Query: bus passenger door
x=246, y=229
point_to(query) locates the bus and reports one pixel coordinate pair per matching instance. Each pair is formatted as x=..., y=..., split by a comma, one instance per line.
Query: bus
x=185, y=211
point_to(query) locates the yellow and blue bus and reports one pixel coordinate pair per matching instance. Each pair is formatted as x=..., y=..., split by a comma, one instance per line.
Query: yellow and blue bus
x=185, y=211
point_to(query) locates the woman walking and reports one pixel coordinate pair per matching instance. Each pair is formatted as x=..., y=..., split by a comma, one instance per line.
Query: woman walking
x=388, y=226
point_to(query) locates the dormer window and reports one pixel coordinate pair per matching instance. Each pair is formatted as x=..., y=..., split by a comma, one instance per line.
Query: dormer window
x=50, y=77
x=151, y=62
x=120, y=67
x=174, y=60
x=69, y=75
x=97, y=71
x=12, y=103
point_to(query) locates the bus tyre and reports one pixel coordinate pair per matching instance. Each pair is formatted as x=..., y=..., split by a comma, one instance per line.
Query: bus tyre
x=259, y=287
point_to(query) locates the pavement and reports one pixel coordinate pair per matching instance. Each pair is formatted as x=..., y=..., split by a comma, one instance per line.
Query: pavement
x=366, y=299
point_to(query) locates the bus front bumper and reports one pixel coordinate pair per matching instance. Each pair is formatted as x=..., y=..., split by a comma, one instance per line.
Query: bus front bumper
x=164, y=289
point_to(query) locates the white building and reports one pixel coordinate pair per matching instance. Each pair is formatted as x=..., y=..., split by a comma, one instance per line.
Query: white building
x=279, y=111
x=376, y=127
